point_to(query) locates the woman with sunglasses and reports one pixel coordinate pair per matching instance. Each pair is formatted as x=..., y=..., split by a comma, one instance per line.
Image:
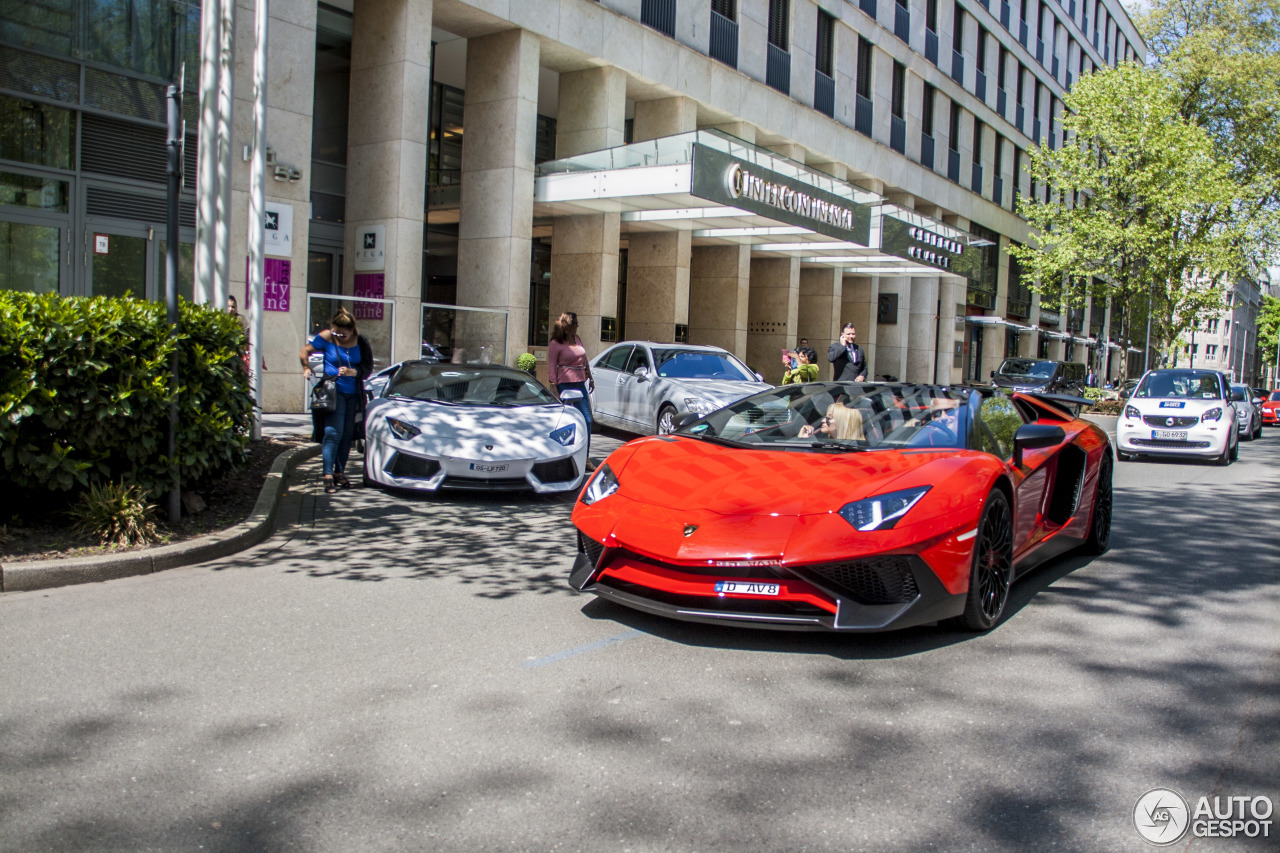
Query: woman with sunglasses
x=348, y=359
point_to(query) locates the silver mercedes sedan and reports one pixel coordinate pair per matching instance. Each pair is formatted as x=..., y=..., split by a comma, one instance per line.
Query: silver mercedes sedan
x=642, y=386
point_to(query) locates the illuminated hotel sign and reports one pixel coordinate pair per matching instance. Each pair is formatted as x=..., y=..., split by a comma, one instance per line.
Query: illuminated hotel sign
x=929, y=248
x=727, y=180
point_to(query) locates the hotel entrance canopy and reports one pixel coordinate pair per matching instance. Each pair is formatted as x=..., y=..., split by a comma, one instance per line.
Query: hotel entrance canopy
x=727, y=191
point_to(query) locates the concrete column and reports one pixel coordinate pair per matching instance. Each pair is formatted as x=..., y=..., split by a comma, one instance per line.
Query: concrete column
x=664, y=117
x=719, y=285
x=923, y=325
x=584, y=249
x=858, y=297
x=387, y=156
x=950, y=333
x=290, y=94
x=657, y=284
x=892, y=338
x=496, y=224
x=772, y=307
x=818, y=314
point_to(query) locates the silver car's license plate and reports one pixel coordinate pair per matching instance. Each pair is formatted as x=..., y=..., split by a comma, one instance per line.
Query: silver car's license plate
x=1169, y=434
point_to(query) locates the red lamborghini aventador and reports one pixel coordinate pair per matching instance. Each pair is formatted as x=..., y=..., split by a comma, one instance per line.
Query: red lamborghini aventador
x=845, y=506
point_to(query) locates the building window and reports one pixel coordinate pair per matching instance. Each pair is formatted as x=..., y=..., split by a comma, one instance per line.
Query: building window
x=898, y=103
x=927, y=110
x=779, y=18
x=724, y=32
x=826, y=44
x=953, y=141
x=931, y=15
x=865, y=49
x=37, y=134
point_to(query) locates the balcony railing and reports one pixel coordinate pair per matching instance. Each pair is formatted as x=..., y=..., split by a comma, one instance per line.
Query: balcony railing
x=997, y=190
x=1023, y=32
x=975, y=178
x=898, y=135
x=926, y=150
x=1021, y=117
x=1005, y=15
x=1002, y=101
x=953, y=165
x=1054, y=69
x=868, y=6
x=1035, y=130
x=862, y=112
x=659, y=14
x=957, y=66
x=824, y=94
x=1040, y=52
x=778, y=69
x=902, y=22
x=931, y=46
x=724, y=40
x=980, y=86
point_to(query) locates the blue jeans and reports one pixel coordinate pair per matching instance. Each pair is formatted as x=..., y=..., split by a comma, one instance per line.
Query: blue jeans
x=582, y=404
x=339, y=433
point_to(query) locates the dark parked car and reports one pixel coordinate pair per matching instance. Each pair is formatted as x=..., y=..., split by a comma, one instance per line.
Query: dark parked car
x=1045, y=377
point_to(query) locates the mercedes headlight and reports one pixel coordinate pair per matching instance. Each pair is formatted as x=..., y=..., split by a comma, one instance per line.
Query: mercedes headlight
x=565, y=434
x=402, y=430
x=1214, y=414
x=883, y=511
x=603, y=484
x=1132, y=412
x=699, y=406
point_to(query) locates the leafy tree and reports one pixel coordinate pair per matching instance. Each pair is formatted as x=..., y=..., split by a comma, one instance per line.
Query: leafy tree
x=1140, y=198
x=1269, y=331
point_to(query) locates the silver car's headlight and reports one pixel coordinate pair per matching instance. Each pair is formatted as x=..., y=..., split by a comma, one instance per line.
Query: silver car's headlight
x=402, y=430
x=1214, y=414
x=565, y=434
x=603, y=484
x=883, y=511
x=699, y=405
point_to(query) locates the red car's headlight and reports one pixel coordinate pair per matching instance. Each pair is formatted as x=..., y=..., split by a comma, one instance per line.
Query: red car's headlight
x=883, y=511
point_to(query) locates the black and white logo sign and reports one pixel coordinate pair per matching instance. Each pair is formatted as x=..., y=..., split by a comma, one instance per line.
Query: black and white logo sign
x=1161, y=816
x=370, y=240
x=371, y=252
x=272, y=221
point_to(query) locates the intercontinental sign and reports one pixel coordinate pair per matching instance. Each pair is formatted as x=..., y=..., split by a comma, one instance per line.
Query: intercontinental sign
x=727, y=180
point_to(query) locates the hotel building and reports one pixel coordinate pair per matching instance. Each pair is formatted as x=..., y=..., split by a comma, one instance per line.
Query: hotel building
x=743, y=173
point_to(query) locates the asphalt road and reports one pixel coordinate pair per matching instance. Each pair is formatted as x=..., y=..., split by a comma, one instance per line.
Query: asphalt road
x=415, y=674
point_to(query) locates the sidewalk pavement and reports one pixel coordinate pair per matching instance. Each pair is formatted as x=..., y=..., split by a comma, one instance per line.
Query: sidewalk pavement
x=292, y=498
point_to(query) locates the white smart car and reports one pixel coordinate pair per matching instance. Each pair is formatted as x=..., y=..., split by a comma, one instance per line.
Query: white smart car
x=1179, y=412
x=472, y=426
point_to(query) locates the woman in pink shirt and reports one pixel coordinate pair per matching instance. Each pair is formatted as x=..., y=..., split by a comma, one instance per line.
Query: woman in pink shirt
x=567, y=367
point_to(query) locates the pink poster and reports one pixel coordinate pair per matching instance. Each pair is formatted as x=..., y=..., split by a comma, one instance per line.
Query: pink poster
x=371, y=285
x=275, y=296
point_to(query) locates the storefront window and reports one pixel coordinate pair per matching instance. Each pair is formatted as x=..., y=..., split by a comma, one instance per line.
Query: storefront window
x=29, y=257
x=37, y=134
x=140, y=35
x=32, y=193
x=47, y=25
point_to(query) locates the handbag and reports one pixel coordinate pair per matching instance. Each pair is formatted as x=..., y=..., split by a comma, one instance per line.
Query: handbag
x=324, y=396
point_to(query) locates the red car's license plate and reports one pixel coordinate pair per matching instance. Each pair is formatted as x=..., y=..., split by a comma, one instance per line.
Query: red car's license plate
x=746, y=588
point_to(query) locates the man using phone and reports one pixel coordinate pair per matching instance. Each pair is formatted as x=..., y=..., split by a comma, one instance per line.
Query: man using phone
x=847, y=358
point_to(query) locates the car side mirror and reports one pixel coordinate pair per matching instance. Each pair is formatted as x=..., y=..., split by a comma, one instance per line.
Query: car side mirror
x=641, y=372
x=1030, y=436
x=1257, y=401
x=682, y=421
x=759, y=377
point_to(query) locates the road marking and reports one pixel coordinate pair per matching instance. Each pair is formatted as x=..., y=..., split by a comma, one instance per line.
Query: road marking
x=589, y=647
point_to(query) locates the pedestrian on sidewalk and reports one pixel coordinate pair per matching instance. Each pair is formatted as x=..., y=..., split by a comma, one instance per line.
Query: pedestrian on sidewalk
x=805, y=370
x=847, y=358
x=348, y=360
x=568, y=370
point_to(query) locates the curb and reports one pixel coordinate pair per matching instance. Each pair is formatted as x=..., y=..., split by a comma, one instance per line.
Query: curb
x=47, y=574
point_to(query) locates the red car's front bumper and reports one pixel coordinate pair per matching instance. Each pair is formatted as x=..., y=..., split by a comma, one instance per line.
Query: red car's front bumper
x=865, y=594
x=1271, y=415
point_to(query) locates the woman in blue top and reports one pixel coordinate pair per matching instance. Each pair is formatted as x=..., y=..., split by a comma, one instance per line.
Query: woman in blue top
x=348, y=359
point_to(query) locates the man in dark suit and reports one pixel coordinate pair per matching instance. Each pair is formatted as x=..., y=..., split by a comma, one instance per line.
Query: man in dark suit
x=848, y=359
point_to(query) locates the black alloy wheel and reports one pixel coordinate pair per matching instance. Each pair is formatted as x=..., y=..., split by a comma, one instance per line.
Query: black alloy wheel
x=1100, y=530
x=992, y=571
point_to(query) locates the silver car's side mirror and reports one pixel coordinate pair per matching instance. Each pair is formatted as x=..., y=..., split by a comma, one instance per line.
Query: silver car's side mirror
x=641, y=372
x=759, y=377
x=1257, y=401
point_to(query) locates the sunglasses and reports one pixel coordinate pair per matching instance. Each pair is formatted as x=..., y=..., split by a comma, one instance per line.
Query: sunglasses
x=342, y=336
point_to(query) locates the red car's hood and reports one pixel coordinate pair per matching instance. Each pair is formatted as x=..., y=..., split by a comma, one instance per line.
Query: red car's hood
x=689, y=474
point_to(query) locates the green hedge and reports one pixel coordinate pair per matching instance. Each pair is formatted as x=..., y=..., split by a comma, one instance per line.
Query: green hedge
x=84, y=393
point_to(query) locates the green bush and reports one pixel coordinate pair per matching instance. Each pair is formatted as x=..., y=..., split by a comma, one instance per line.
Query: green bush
x=527, y=362
x=84, y=393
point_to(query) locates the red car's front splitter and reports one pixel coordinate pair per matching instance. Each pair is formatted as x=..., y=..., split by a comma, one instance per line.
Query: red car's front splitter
x=806, y=600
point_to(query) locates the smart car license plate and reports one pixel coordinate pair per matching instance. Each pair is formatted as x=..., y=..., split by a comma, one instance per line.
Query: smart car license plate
x=489, y=469
x=1169, y=434
x=746, y=588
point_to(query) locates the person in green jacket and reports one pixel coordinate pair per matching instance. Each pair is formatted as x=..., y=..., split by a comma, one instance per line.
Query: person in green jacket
x=805, y=369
